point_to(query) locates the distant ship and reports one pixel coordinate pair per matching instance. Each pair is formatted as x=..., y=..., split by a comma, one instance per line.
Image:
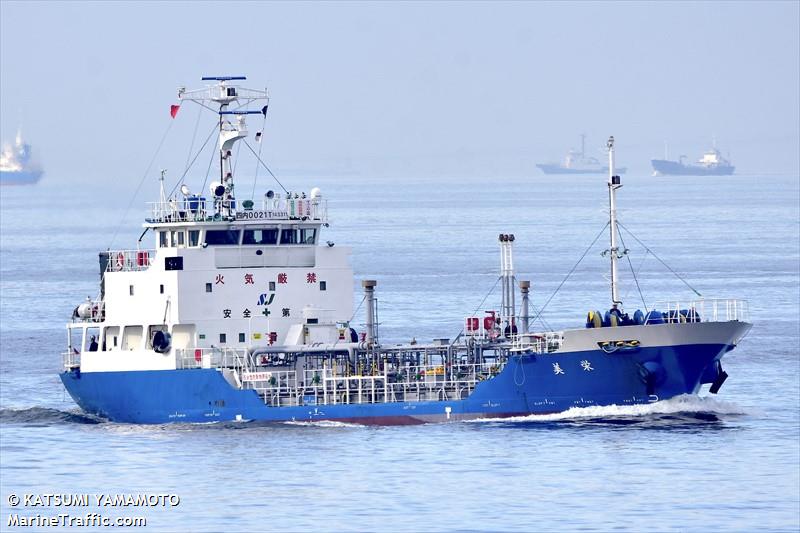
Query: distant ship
x=17, y=167
x=577, y=163
x=711, y=164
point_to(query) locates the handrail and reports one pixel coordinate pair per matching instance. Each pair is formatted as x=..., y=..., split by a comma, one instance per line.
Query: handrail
x=325, y=386
x=538, y=342
x=213, y=358
x=129, y=260
x=200, y=209
x=71, y=359
x=703, y=310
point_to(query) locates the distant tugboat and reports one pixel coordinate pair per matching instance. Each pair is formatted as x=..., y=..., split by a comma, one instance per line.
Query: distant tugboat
x=577, y=163
x=16, y=164
x=711, y=164
x=244, y=312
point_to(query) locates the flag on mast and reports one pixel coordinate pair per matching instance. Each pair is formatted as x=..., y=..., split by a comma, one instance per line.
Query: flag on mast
x=173, y=110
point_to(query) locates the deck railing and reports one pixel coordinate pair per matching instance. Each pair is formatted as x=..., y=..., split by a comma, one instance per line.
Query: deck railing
x=541, y=342
x=328, y=386
x=231, y=358
x=325, y=386
x=704, y=310
x=200, y=209
x=129, y=260
x=71, y=359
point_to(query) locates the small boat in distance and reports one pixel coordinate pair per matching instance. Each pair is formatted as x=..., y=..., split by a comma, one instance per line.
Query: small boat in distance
x=576, y=162
x=711, y=164
x=17, y=167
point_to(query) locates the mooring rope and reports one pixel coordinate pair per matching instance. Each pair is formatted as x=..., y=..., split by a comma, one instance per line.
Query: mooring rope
x=141, y=182
x=660, y=260
x=570, y=273
x=630, y=264
x=265, y=166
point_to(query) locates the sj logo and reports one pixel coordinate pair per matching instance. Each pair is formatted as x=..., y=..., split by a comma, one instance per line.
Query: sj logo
x=264, y=300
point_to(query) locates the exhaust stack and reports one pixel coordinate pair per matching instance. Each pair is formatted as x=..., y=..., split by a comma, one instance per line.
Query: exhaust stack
x=369, y=293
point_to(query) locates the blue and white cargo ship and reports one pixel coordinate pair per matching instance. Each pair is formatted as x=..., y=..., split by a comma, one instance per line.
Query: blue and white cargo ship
x=17, y=165
x=711, y=164
x=239, y=313
x=576, y=162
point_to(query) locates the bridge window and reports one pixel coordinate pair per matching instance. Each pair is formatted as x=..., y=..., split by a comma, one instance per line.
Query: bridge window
x=307, y=235
x=163, y=239
x=260, y=236
x=194, y=237
x=223, y=338
x=298, y=236
x=289, y=236
x=224, y=237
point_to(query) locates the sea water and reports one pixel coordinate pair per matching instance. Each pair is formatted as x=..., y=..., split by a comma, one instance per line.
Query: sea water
x=729, y=462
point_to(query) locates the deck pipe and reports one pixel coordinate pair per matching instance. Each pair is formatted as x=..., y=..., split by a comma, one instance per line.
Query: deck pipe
x=369, y=294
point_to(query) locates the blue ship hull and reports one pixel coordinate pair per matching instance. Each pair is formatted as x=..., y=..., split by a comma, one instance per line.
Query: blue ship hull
x=559, y=169
x=528, y=384
x=26, y=177
x=676, y=168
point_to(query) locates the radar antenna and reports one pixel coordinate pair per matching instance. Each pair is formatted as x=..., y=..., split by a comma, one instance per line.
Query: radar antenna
x=232, y=126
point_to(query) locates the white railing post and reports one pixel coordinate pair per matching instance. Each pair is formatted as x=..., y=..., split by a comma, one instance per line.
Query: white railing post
x=385, y=382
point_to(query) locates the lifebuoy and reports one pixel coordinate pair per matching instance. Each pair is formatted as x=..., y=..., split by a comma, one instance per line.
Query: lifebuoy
x=120, y=261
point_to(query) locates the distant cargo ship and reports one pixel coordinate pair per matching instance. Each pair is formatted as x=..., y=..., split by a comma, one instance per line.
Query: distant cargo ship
x=577, y=163
x=17, y=167
x=711, y=164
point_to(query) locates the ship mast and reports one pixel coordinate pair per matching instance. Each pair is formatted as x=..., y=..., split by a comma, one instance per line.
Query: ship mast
x=613, y=185
x=583, y=146
x=232, y=127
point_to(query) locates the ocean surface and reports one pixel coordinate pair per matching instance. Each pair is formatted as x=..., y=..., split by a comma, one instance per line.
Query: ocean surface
x=729, y=462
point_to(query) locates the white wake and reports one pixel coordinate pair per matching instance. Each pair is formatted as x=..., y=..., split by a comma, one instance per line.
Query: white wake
x=322, y=423
x=684, y=404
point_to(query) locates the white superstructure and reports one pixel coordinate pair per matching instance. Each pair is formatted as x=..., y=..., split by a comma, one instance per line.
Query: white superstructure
x=223, y=275
x=14, y=156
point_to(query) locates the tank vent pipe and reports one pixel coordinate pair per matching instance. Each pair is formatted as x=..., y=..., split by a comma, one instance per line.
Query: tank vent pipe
x=524, y=289
x=369, y=294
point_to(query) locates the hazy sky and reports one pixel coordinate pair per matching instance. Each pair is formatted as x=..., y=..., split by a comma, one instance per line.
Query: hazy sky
x=388, y=89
